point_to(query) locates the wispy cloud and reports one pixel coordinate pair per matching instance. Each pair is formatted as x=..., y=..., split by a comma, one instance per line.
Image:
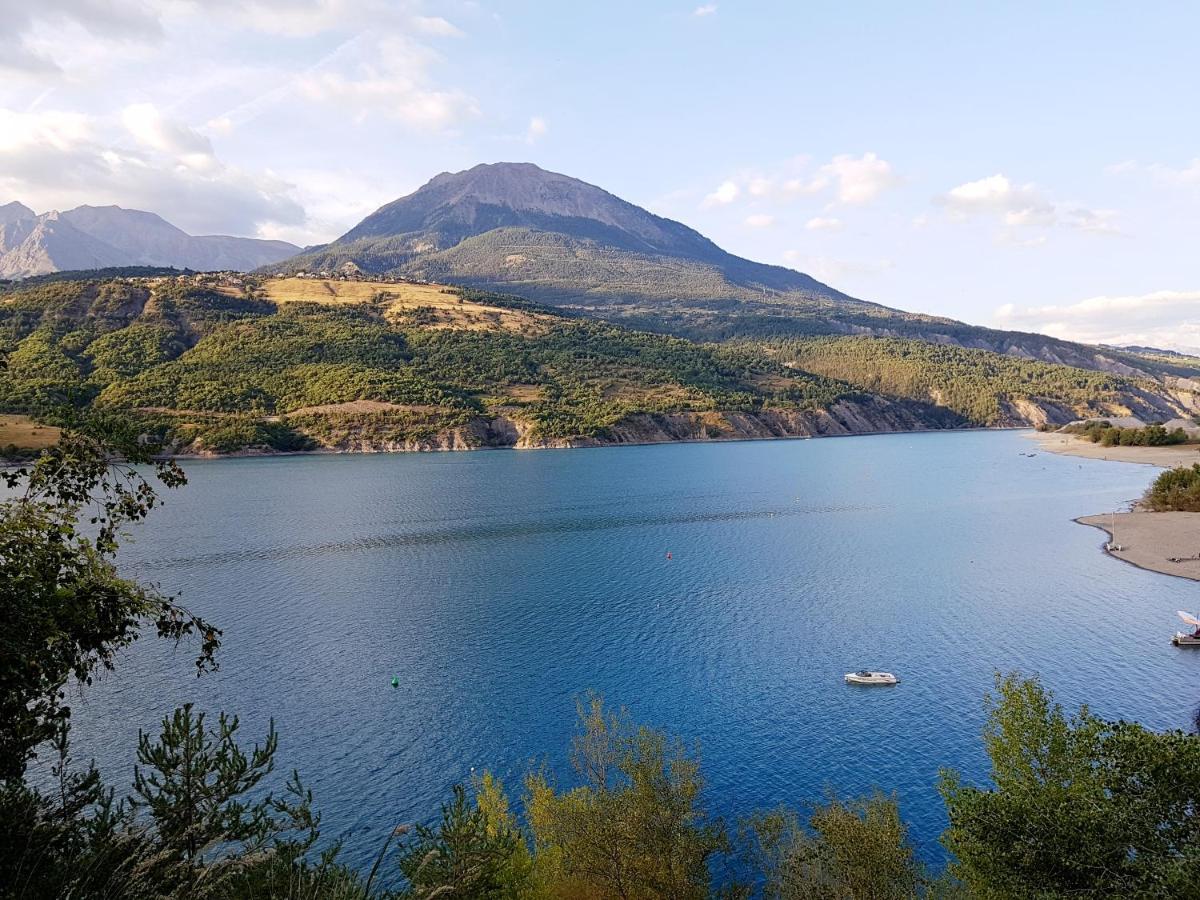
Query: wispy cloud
x=708, y=9
x=845, y=180
x=1019, y=206
x=390, y=77
x=860, y=179
x=116, y=21
x=726, y=193
x=1169, y=319
x=538, y=127
x=1187, y=175
x=822, y=223
x=54, y=159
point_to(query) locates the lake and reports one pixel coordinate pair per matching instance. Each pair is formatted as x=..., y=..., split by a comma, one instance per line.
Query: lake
x=498, y=586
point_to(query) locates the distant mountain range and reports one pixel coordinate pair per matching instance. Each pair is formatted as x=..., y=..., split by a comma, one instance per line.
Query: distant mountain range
x=97, y=237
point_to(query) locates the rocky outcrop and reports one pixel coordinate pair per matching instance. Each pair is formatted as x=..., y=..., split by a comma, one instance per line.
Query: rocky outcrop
x=859, y=415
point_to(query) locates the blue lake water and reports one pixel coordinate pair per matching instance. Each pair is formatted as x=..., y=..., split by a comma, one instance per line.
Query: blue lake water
x=498, y=586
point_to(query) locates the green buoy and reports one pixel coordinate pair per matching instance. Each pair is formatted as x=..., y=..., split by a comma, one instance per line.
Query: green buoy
x=395, y=681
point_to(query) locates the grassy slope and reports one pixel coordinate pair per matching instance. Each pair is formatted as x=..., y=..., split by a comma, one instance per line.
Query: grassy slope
x=22, y=433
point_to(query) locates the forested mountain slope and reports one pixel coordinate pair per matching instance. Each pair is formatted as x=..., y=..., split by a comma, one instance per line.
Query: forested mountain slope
x=222, y=362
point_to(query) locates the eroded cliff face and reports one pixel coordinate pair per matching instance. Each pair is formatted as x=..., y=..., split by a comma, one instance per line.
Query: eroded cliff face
x=866, y=415
x=861, y=414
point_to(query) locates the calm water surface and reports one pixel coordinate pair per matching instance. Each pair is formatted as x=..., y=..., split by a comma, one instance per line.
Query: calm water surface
x=500, y=585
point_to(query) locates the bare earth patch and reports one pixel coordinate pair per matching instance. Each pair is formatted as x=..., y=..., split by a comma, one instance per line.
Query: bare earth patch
x=400, y=300
x=25, y=433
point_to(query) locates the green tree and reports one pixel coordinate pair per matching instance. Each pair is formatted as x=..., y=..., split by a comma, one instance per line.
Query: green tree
x=66, y=610
x=1176, y=489
x=634, y=828
x=466, y=856
x=852, y=850
x=193, y=784
x=1080, y=806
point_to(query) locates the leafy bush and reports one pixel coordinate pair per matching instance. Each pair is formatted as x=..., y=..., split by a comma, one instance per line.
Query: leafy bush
x=1175, y=490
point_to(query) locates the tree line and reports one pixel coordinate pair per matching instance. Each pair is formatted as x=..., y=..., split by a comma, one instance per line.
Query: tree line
x=1106, y=434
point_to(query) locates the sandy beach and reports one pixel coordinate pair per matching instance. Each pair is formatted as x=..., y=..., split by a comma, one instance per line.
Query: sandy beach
x=1150, y=540
x=1071, y=445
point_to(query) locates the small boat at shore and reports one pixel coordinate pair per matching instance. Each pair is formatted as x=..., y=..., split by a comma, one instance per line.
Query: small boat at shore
x=1187, y=640
x=868, y=677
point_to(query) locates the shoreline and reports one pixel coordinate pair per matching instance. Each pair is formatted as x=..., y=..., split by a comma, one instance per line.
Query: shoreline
x=1149, y=540
x=586, y=444
x=1073, y=445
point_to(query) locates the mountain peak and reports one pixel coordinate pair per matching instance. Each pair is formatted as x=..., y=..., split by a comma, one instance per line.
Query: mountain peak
x=454, y=206
x=516, y=226
x=15, y=212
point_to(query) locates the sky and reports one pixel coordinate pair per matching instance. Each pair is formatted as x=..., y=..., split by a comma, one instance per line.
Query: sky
x=1023, y=165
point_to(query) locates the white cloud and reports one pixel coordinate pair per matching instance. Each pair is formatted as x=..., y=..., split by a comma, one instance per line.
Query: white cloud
x=821, y=223
x=1019, y=206
x=1169, y=319
x=812, y=185
x=760, y=220
x=996, y=195
x=23, y=49
x=537, y=130
x=1096, y=221
x=1188, y=176
x=336, y=199
x=726, y=193
x=845, y=179
x=436, y=26
x=56, y=160
x=759, y=187
x=1122, y=167
x=862, y=179
x=1170, y=176
x=708, y=9
x=151, y=129
x=386, y=76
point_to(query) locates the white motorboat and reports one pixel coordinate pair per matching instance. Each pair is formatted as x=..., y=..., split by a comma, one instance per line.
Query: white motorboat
x=1183, y=639
x=867, y=677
